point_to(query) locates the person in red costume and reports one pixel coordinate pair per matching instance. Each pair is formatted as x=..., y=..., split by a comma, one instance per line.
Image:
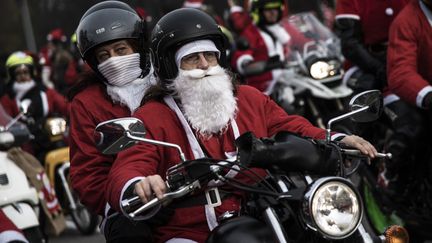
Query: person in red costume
x=197, y=105
x=409, y=55
x=9, y=232
x=121, y=73
x=266, y=38
x=363, y=27
x=23, y=85
x=409, y=73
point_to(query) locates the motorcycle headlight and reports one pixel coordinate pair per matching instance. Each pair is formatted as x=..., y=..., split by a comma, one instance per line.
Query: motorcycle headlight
x=323, y=69
x=55, y=126
x=333, y=207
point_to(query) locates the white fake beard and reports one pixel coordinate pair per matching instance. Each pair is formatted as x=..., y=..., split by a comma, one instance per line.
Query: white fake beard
x=280, y=33
x=207, y=99
x=130, y=95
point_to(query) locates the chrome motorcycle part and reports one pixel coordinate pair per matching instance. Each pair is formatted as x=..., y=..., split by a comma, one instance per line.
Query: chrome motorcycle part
x=333, y=207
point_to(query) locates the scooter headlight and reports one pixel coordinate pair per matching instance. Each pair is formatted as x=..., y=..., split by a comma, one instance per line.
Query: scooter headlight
x=55, y=127
x=333, y=207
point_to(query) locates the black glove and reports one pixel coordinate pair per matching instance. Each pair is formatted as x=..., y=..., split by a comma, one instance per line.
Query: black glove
x=427, y=101
x=288, y=152
x=274, y=62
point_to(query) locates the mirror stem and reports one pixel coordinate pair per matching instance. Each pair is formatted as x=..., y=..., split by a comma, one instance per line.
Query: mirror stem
x=339, y=118
x=13, y=121
x=151, y=141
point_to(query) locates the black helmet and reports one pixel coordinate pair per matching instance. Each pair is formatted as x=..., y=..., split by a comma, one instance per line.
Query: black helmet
x=108, y=21
x=257, y=7
x=180, y=27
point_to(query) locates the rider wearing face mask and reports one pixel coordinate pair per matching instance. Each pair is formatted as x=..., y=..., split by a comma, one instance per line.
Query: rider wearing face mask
x=111, y=39
x=24, y=84
x=197, y=105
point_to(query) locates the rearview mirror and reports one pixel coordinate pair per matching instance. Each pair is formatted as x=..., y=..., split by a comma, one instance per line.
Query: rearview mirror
x=110, y=136
x=365, y=107
x=371, y=98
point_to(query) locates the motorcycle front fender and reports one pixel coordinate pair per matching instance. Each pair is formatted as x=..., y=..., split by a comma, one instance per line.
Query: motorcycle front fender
x=22, y=215
x=53, y=160
x=241, y=229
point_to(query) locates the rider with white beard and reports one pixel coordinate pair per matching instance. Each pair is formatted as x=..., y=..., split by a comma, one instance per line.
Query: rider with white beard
x=197, y=105
x=111, y=38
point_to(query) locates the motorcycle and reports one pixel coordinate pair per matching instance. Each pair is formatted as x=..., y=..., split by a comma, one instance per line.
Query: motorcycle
x=305, y=197
x=57, y=167
x=18, y=200
x=310, y=82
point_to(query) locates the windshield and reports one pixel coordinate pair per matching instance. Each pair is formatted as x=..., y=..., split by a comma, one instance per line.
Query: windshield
x=310, y=37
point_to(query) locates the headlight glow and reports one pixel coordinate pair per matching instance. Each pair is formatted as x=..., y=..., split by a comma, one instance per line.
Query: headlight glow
x=334, y=208
x=55, y=126
x=321, y=69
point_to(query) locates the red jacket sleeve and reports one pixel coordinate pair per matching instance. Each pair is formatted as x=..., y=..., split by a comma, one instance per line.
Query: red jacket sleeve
x=278, y=120
x=402, y=66
x=58, y=102
x=89, y=168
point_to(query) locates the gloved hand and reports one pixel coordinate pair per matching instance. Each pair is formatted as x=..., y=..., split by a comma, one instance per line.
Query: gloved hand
x=427, y=101
x=274, y=62
x=288, y=152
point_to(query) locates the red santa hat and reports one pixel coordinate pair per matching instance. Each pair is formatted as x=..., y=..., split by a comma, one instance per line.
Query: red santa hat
x=193, y=3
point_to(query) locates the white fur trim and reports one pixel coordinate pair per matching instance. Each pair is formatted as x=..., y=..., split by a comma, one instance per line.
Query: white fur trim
x=241, y=61
x=188, y=4
x=11, y=235
x=194, y=47
x=45, y=105
x=390, y=99
x=347, y=16
x=236, y=9
x=422, y=94
x=337, y=135
x=180, y=240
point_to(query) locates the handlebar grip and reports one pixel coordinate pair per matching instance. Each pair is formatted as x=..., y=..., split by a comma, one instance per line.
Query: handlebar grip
x=127, y=204
x=357, y=152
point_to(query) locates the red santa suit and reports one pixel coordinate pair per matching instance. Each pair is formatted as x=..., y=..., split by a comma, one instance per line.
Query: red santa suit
x=410, y=53
x=8, y=231
x=45, y=102
x=51, y=102
x=375, y=17
x=256, y=113
x=261, y=47
x=89, y=167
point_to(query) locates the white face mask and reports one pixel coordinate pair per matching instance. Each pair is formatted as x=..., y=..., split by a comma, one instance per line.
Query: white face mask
x=207, y=99
x=131, y=94
x=121, y=70
x=21, y=88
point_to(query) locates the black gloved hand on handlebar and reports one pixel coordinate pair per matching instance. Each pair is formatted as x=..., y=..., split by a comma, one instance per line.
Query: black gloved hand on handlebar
x=274, y=62
x=289, y=152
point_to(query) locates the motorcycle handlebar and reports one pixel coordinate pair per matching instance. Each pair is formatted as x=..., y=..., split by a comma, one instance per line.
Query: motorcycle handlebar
x=356, y=152
x=156, y=201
